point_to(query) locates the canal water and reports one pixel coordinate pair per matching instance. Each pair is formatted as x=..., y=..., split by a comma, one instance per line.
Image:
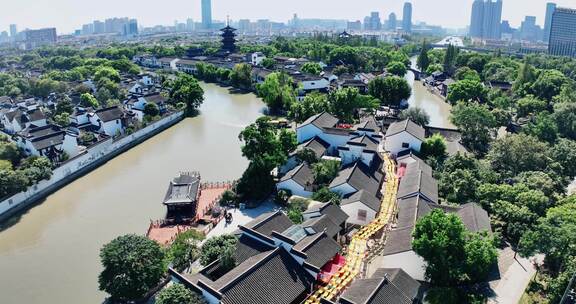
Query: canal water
x=436, y=107
x=50, y=253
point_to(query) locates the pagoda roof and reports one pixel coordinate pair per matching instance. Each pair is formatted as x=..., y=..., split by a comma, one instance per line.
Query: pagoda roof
x=228, y=28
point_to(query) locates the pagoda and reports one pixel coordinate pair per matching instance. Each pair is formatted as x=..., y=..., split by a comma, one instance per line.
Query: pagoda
x=228, y=38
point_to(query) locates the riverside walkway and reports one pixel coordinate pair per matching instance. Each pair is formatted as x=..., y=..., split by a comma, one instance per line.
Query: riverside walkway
x=358, y=247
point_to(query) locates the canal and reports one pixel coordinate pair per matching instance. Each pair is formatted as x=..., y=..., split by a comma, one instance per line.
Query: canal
x=50, y=253
x=436, y=107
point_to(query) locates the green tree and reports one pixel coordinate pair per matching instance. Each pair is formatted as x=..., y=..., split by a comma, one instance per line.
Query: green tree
x=526, y=76
x=184, y=250
x=132, y=266
x=62, y=119
x=433, y=68
x=564, y=153
x=313, y=68
x=423, y=60
x=449, y=59
x=517, y=153
x=64, y=105
x=36, y=168
x=12, y=182
x=344, y=103
x=548, y=84
x=186, y=89
x=312, y=104
x=268, y=63
x=325, y=171
x=277, y=91
x=296, y=208
x=417, y=115
x=215, y=246
x=178, y=294
x=434, y=147
x=530, y=105
x=565, y=117
x=325, y=195
x=467, y=73
x=108, y=73
x=467, y=90
x=542, y=127
x=241, y=76
x=5, y=165
x=396, y=68
x=476, y=123
x=390, y=90
x=151, y=109
x=453, y=255
x=9, y=151
x=307, y=155
x=87, y=100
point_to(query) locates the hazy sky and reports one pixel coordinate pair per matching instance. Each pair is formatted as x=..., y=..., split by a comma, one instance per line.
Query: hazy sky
x=67, y=15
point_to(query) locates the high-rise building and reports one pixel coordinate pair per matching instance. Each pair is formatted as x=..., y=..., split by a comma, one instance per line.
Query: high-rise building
x=528, y=29
x=41, y=37
x=407, y=17
x=207, y=14
x=563, y=33
x=373, y=22
x=88, y=29
x=392, y=22
x=244, y=25
x=13, y=30
x=550, y=8
x=130, y=28
x=99, y=27
x=189, y=25
x=486, y=19
x=354, y=25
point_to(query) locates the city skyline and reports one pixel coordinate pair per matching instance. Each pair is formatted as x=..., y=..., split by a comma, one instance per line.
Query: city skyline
x=52, y=13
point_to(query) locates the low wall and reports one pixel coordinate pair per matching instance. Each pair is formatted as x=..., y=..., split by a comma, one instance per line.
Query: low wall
x=82, y=164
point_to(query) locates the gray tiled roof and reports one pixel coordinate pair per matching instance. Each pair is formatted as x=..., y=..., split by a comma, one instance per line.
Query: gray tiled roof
x=386, y=286
x=359, y=177
x=269, y=278
x=183, y=189
x=316, y=144
x=269, y=222
x=302, y=175
x=109, y=114
x=322, y=223
x=474, y=217
x=416, y=181
x=365, y=141
x=322, y=120
x=408, y=126
x=319, y=249
x=455, y=147
x=368, y=123
x=155, y=98
x=329, y=209
x=419, y=164
x=365, y=198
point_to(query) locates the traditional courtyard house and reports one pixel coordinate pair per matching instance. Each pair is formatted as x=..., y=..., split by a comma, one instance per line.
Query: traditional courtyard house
x=408, y=160
x=417, y=181
x=299, y=181
x=316, y=145
x=187, y=66
x=80, y=117
x=49, y=141
x=145, y=85
x=146, y=61
x=353, y=83
x=398, y=249
x=259, y=74
x=18, y=120
x=256, y=58
x=108, y=120
x=361, y=148
x=326, y=127
x=168, y=63
x=361, y=207
x=140, y=103
x=404, y=135
x=354, y=178
x=368, y=126
x=181, y=197
x=386, y=285
x=329, y=210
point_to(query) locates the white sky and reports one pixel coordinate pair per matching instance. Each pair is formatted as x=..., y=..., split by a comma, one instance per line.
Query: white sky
x=67, y=15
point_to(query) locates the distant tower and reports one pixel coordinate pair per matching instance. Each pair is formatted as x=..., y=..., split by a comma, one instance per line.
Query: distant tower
x=13, y=30
x=228, y=38
x=550, y=8
x=392, y=22
x=407, y=17
x=207, y=14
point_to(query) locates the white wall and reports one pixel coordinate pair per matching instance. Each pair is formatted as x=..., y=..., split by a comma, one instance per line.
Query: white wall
x=355, y=153
x=290, y=164
x=307, y=132
x=352, y=211
x=294, y=187
x=334, y=140
x=103, y=150
x=394, y=143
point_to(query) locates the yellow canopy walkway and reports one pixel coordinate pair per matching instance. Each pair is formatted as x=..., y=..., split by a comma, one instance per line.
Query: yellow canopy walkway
x=358, y=248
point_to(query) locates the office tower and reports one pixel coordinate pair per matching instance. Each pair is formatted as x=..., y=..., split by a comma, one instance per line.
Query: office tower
x=99, y=27
x=244, y=25
x=354, y=25
x=189, y=25
x=41, y=37
x=550, y=8
x=563, y=33
x=407, y=17
x=486, y=19
x=528, y=29
x=130, y=28
x=13, y=30
x=392, y=22
x=207, y=14
x=88, y=29
x=373, y=22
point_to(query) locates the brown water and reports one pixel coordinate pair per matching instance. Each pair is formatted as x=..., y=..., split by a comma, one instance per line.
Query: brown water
x=436, y=107
x=50, y=253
